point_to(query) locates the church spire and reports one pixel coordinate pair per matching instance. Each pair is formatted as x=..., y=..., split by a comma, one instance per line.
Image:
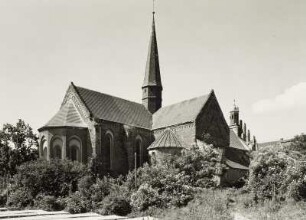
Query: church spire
x=152, y=86
x=152, y=73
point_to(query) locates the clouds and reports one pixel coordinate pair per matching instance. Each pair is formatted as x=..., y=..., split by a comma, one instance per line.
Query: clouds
x=291, y=98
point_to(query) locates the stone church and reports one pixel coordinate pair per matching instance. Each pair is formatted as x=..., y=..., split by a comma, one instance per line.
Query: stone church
x=124, y=134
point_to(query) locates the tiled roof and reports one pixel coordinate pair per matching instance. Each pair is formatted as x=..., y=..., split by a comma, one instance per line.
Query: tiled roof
x=236, y=142
x=167, y=139
x=114, y=109
x=182, y=112
x=67, y=116
x=235, y=165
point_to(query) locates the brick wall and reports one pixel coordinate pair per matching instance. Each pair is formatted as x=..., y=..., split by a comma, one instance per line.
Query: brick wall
x=65, y=134
x=211, y=121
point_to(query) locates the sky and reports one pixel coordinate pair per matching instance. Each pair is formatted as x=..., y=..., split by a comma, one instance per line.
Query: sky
x=253, y=51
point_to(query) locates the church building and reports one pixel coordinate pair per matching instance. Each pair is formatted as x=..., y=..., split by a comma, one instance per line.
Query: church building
x=123, y=134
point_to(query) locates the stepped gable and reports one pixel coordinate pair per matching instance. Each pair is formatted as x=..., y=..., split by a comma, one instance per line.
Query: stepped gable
x=114, y=109
x=67, y=116
x=167, y=139
x=179, y=113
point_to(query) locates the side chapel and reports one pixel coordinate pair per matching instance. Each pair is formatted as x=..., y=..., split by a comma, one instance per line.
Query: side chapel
x=124, y=134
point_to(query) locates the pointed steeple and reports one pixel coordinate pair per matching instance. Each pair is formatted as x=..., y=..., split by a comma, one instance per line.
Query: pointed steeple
x=152, y=73
x=152, y=86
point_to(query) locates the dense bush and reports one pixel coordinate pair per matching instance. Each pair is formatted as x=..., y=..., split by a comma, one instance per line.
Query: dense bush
x=53, y=185
x=174, y=182
x=199, y=166
x=20, y=198
x=101, y=189
x=116, y=205
x=85, y=186
x=279, y=173
x=48, y=203
x=77, y=204
x=146, y=197
x=3, y=197
x=55, y=178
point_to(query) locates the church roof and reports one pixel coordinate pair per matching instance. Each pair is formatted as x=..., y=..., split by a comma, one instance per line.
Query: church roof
x=110, y=108
x=235, y=165
x=236, y=142
x=167, y=139
x=179, y=113
x=152, y=72
x=67, y=116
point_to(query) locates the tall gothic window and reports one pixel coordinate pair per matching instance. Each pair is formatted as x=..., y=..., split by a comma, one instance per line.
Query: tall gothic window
x=56, y=148
x=138, y=153
x=74, y=153
x=74, y=149
x=57, y=152
x=108, y=150
x=43, y=148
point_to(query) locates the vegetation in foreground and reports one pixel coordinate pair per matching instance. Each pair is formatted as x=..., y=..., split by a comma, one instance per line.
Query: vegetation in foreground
x=181, y=188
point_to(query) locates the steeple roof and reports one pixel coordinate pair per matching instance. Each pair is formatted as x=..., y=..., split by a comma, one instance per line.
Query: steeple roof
x=152, y=72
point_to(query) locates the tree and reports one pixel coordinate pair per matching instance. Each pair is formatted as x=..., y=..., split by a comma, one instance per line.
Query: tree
x=280, y=172
x=18, y=144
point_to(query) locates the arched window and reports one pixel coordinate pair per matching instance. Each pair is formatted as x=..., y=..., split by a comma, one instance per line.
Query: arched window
x=74, y=149
x=109, y=150
x=57, y=152
x=45, y=153
x=43, y=148
x=56, y=149
x=138, y=152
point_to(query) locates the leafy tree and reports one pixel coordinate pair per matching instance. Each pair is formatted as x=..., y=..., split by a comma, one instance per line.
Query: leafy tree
x=18, y=144
x=279, y=173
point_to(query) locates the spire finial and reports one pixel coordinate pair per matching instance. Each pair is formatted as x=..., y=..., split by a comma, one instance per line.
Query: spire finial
x=235, y=106
x=153, y=7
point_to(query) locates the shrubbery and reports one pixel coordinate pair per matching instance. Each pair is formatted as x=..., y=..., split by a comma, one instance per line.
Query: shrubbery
x=55, y=185
x=115, y=205
x=20, y=198
x=279, y=173
x=77, y=204
x=55, y=178
x=48, y=203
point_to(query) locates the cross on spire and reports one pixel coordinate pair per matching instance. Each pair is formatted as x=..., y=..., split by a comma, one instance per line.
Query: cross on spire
x=153, y=7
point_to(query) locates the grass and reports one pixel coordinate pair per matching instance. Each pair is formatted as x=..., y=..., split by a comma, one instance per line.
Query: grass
x=223, y=204
x=210, y=204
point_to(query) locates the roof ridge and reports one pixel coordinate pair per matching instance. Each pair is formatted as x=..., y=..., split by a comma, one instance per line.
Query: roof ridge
x=109, y=95
x=186, y=100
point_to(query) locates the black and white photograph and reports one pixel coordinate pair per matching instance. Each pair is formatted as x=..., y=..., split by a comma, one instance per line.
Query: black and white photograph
x=153, y=109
